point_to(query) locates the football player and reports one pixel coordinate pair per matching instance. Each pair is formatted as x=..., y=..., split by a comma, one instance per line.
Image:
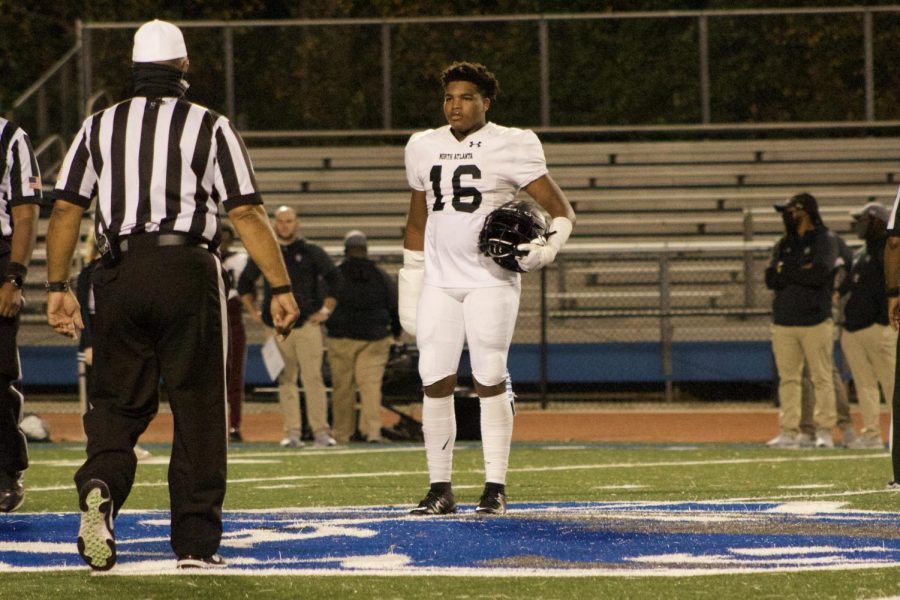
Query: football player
x=450, y=293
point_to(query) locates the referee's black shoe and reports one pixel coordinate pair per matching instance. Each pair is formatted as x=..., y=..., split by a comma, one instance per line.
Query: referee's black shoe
x=493, y=501
x=189, y=561
x=436, y=502
x=96, y=541
x=12, y=492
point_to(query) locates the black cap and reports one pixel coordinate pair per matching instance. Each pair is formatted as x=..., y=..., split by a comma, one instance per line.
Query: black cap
x=805, y=201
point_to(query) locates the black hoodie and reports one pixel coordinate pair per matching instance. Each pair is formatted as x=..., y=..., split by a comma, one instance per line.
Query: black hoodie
x=867, y=300
x=801, y=273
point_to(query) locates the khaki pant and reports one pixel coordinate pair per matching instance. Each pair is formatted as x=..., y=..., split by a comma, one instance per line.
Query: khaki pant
x=357, y=363
x=303, y=350
x=794, y=346
x=871, y=354
x=808, y=402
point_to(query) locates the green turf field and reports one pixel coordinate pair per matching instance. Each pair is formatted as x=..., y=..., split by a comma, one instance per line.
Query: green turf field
x=266, y=477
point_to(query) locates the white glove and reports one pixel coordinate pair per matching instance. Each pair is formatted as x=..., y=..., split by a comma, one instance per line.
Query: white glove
x=410, y=288
x=542, y=250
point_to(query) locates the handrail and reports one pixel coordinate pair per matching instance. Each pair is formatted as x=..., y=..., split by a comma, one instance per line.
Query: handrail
x=92, y=100
x=285, y=134
x=49, y=143
x=506, y=17
x=46, y=76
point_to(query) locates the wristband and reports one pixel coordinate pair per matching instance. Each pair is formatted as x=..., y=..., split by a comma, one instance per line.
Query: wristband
x=893, y=292
x=16, y=269
x=57, y=286
x=281, y=289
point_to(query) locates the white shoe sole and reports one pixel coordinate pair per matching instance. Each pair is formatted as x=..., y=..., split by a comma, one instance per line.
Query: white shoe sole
x=96, y=543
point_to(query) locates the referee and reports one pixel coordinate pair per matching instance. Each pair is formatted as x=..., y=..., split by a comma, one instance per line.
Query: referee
x=20, y=195
x=159, y=167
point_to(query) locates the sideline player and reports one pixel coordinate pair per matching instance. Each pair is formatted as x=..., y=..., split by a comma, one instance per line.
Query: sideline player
x=449, y=292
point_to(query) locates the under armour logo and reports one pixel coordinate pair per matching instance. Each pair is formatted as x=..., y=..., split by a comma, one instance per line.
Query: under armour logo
x=474, y=144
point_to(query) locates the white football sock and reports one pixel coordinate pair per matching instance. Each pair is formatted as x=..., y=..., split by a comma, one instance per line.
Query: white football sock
x=496, y=435
x=439, y=429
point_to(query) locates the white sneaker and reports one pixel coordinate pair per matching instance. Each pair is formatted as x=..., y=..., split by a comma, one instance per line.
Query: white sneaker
x=866, y=442
x=96, y=540
x=824, y=439
x=848, y=436
x=324, y=440
x=784, y=440
x=806, y=440
x=291, y=442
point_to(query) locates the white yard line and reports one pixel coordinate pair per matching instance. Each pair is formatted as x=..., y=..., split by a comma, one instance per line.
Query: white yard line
x=601, y=466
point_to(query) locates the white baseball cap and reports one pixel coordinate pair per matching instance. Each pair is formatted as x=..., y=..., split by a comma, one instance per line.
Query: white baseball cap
x=156, y=41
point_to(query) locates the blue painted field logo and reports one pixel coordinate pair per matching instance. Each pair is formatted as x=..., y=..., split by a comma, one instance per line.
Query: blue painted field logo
x=546, y=539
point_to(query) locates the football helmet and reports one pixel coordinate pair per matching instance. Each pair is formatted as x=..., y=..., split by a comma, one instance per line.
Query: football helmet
x=516, y=222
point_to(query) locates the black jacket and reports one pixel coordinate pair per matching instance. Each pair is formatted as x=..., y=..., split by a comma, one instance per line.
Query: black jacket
x=313, y=278
x=801, y=273
x=366, y=303
x=867, y=299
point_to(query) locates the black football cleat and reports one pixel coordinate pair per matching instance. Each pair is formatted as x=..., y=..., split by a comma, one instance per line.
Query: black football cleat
x=12, y=491
x=96, y=541
x=436, y=503
x=493, y=502
x=189, y=561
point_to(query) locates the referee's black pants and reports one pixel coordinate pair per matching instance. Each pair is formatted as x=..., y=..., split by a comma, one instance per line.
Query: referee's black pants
x=13, y=447
x=160, y=316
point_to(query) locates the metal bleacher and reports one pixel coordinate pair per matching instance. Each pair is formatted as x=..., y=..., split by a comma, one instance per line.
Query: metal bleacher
x=627, y=195
x=622, y=191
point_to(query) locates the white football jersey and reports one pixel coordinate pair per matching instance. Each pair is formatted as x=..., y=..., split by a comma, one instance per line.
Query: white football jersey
x=463, y=182
x=234, y=264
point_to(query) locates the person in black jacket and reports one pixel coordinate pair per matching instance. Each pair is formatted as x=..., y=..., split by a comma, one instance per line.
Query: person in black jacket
x=801, y=273
x=314, y=281
x=359, y=340
x=868, y=342
x=841, y=396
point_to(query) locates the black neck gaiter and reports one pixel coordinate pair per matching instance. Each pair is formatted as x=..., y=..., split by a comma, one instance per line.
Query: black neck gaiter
x=157, y=81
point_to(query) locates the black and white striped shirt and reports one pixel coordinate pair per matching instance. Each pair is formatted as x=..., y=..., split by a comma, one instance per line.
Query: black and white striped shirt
x=158, y=165
x=893, y=224
x=20, y=177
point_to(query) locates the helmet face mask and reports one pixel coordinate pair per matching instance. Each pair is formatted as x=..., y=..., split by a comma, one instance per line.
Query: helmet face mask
x=513, y=223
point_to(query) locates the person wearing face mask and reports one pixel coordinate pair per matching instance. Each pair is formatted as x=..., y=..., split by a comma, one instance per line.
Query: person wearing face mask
x=159, y=166
x=801, y=275
x=868, y=342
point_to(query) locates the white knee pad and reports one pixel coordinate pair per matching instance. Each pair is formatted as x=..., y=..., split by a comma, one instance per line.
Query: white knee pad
x=491, y=366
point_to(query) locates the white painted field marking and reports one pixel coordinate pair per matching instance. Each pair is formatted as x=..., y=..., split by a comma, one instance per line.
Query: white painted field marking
x=624, y=486
x=301, y=452
x=594, y=466
x=700, y=463
x=283, y=486
x=807, y=508
x=809, y=486
x=789, y=550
